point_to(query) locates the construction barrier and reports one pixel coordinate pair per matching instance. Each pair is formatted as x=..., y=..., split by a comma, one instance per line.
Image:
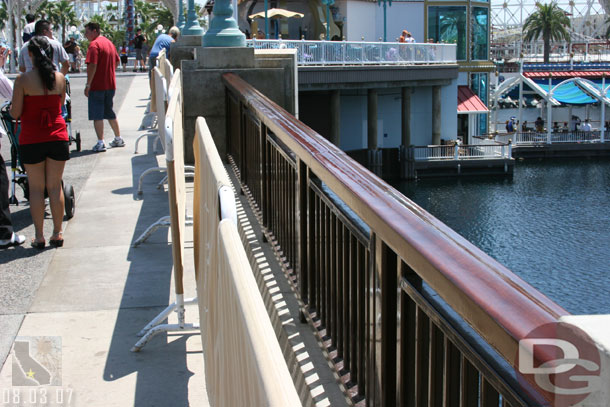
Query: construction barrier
x=244, y=364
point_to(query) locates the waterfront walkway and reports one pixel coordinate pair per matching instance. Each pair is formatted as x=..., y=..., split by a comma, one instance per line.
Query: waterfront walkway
x=97, y=292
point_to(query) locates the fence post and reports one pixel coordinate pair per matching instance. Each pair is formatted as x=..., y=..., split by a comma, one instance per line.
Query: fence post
x=457, y=152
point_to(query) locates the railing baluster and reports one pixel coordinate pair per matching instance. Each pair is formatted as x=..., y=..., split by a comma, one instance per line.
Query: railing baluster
x=332, y=283
x=452, y=369
x=489, y=395
x=387, y=273
x=362, y=341
x=354, y=328
x=408, y=334
x=302, y=264
x=435, y=380
x=345, y=296
x=422, y=355
x=469, y=384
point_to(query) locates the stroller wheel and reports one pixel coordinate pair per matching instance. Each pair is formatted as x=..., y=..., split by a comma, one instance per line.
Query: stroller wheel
x=70, y=201
x=77, y=140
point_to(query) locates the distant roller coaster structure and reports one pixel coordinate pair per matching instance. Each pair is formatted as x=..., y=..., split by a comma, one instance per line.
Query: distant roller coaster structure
x=587, y=34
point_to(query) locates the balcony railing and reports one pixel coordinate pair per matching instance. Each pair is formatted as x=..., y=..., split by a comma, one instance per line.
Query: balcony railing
x=462, y=152
x=362, y=53
x=532, y=137
x=411, y=312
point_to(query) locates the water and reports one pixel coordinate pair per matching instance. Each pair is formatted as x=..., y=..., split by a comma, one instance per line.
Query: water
x=550, y=225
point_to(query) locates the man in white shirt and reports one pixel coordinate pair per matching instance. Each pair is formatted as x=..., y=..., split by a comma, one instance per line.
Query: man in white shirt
x=28, y=30
x=60, y=56
x=586, y=126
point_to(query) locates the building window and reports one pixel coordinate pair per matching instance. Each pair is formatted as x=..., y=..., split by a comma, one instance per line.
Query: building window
x=479, y=41
x=447, y=24
x=478, y=84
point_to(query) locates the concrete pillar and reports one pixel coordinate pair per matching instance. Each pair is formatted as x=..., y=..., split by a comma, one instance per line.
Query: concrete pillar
x=372, y=119
x=436, y=115
x=335, y=117
x=406, y=116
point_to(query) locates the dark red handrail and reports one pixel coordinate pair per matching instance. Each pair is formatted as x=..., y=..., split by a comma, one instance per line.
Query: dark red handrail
x=499, y=305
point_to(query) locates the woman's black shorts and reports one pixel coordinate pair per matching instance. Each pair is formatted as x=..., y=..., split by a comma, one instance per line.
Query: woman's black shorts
x=38, y=152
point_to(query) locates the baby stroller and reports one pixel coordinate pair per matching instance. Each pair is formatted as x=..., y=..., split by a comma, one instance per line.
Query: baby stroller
x=67, y=114
x=19, y=177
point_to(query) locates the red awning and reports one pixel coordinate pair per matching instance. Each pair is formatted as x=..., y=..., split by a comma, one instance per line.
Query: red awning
x=469, y=102
x=566, y=74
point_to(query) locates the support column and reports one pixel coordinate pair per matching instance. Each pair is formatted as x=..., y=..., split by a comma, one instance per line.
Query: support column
x=436, y=115
x=372, y=119
x=406, y=116
x=335, y=117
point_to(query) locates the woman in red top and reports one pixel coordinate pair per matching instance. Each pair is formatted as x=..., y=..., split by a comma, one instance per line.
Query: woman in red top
x=38, y=96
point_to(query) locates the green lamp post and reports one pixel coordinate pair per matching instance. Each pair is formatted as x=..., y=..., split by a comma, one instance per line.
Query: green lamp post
x=223, y=30
x=385, y=23
x=328, y=4
x=181, y=20
x=192, y=26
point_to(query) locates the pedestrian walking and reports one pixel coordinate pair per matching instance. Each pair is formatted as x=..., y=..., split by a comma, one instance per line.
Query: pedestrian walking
x=38, y=98
x=57, y=54
x=138, y=43
x=102, y=59
x=8, y=237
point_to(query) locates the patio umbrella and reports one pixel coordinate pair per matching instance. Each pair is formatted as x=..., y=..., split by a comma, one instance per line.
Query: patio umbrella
x=277, y=13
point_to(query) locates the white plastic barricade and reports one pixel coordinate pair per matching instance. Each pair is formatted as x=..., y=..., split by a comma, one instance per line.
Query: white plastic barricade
x=174, y=157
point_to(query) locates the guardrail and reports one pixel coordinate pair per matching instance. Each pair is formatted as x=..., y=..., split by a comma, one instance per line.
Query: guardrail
x=462, y=152
x=362, y=53
x=532, y=137
x=412, y=311
x=244, y=363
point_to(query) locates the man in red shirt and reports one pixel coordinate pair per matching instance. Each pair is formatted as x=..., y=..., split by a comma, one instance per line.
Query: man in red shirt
x=102, y=59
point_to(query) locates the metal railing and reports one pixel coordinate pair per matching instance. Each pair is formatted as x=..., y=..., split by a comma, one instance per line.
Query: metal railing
x=411, y=312
x=461, y=152
x=532, y=137
x=362, y=53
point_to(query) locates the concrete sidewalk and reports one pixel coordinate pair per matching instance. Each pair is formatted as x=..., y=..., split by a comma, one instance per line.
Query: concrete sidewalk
x=99, y=292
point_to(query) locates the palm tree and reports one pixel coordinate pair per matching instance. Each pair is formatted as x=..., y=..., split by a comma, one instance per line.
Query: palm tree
x=550, y=22
x=65, y=17
x=3, y=15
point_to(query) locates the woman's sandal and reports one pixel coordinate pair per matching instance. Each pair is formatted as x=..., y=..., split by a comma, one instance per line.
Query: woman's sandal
x=38, y=244
x=56, y=240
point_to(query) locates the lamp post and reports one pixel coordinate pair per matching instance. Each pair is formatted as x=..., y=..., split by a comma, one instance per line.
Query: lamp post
x=181, y=20
x=266, y=20
x=603, y=124
x=328, y=4
x=192, y=26
x=385, y=20
x=223, y=30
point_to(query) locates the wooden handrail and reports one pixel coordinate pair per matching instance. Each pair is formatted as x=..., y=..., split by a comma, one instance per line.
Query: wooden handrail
x=499, y=305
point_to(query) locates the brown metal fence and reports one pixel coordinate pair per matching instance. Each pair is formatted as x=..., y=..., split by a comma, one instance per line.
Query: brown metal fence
x=412, y=313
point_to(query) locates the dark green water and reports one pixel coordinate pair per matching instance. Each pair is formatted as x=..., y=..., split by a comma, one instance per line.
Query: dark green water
x=550, y=225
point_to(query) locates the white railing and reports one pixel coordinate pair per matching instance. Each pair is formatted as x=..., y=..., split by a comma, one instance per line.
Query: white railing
x=556, y=137
x=362, y=53
x=465, y=152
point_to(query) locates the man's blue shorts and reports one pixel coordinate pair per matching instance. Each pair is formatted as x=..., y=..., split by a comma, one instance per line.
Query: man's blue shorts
x=100, y=105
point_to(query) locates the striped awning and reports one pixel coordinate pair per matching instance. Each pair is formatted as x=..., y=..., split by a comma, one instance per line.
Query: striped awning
x=566, y=74
x=469, y=102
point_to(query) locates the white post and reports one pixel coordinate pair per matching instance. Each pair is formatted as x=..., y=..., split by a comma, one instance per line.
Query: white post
x=548, y=111
x=603, y=120
x=457, y=152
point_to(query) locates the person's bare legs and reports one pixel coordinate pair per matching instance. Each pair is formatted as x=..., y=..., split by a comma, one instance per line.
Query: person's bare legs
x=98, y=125
x=54, y=173
x=36, y=183
x=114, y=125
